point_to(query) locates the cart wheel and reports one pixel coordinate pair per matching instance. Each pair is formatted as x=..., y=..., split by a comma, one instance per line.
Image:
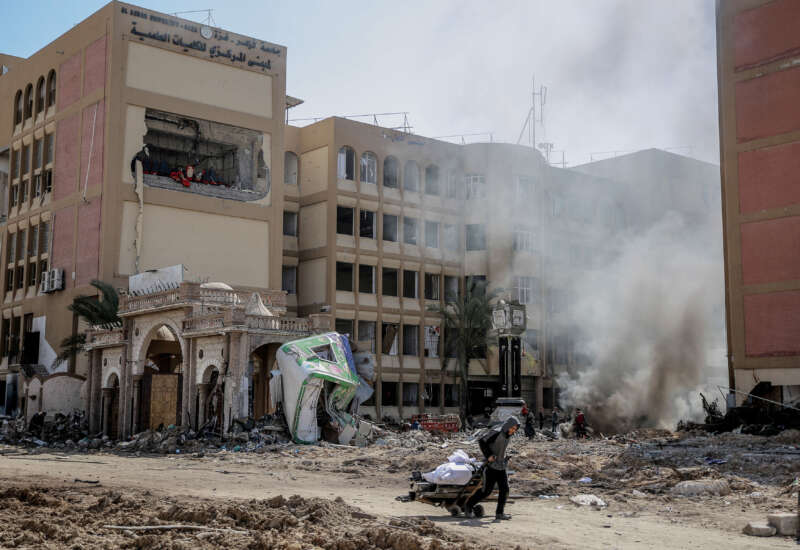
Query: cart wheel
x=454, y=510
x=478, y=510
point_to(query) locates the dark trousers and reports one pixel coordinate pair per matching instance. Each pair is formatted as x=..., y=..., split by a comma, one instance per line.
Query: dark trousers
x=490, y=477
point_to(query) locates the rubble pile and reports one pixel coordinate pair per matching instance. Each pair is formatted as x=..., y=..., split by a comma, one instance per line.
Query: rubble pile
x=61, y=430
x=749, y=419
x=86, y=518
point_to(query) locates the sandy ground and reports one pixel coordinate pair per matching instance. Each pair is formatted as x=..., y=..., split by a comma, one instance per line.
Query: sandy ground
x=370, y=479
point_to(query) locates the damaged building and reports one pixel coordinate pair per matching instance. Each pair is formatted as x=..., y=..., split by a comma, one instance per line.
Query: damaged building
x=117, y=160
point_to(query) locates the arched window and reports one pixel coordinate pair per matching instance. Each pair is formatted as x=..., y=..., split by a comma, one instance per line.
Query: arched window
x=346, y=164
x=369, y=168
x=18, y=108
x=28, y=101
x=51, y=88
x=411, y=176
x=289, y=168
x=432, y=180
x=40, y=95
x=391, y=172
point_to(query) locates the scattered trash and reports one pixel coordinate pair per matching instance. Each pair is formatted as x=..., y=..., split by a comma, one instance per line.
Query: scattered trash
x=588, y=500
x=585, y=480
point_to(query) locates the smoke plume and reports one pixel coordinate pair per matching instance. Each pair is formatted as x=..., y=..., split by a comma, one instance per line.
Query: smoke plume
x=645, y=323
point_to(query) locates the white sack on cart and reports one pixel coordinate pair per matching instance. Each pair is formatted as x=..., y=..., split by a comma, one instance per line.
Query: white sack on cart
x=460, y=457
x=458, y=471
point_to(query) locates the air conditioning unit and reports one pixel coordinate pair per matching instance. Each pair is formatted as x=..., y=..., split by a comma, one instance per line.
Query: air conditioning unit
x=52, y=281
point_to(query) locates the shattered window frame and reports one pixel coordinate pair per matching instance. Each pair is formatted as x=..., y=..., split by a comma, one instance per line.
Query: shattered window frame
x=346, y=163
x=205, y=157
x=368, y=168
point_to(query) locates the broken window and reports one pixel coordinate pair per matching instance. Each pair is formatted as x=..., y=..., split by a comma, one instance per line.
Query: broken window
x=431, y=234
x=389, y=281
x=411, y=176
x=432, y=180
x=366, y=336
x=391, y=172
x=475, y=283
x=389, y=338
x=434, y=394
x=388, y=394
x=410, y=283
x=410, y=340
x=390, y=227
x=26, y=159
x=13, y=195
x=344, y=276
x=366, y=279
x=476, y=186
x=366, y=224
x=369, y=168
x=47, y=181
x=40, y=95
x=451, y=395
x=51, y=88
x=18, y=108
x=290, y=223
x=346, y=164
x=450, y=236
x=451, y=192
x=204, y=157
x=409, y=230
x=289, y=168
x=325, y=352
x=432, y=286
x=28, y=101
x=344, y=220
x=410, y=394
x=38, y=154
x=49, y=145
x=431, y=341
x=23, y=192
x=344, y=326
x=450, y=288
x=524, y=289
x=476, y=236
x=522, y=239
x=289, y=279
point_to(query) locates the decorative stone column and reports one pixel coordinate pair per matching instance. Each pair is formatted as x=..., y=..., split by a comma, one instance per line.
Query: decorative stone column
x=137, y=384
x=107, y=398
x=202, y=392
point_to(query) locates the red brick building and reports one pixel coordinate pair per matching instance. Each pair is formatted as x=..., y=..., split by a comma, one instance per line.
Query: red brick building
x=758, y=67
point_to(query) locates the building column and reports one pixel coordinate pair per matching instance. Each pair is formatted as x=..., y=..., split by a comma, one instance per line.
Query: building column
x=537, y=380
x=202, y=392
x=137, y=384
x=95, y=396
x=107, y=397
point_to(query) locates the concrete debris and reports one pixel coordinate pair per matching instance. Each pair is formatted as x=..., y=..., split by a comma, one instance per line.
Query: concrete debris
x=785, y=523
x=758, y=529
x=588, y=500
x=716, y=487
x=60, y=431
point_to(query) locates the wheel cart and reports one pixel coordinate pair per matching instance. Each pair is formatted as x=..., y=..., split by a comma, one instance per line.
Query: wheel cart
x=453, y=498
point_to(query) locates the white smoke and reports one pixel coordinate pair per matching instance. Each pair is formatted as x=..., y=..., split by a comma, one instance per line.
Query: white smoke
x=645, y=323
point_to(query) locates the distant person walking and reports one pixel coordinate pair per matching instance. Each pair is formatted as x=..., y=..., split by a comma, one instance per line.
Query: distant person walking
x=580, y=423
x=541, y=419
x=555, y=419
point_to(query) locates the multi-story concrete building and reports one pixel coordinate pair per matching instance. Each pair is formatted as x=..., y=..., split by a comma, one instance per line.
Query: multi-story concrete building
x=139, y=140
x=200, y=111
x=759, y=81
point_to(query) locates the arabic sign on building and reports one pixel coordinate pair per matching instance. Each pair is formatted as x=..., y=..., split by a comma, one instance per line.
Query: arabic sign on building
x=203, y=40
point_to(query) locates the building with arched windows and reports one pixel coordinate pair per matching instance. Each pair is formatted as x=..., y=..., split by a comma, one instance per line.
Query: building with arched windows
x=138, y=140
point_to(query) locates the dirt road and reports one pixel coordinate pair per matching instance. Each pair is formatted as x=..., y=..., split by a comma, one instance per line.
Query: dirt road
x=226, y=477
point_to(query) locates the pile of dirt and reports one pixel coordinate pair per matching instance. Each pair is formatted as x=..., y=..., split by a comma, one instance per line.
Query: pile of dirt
x=86, y=518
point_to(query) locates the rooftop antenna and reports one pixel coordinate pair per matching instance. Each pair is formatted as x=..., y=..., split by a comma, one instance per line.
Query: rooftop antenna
x=209, y=20
x=531, y=119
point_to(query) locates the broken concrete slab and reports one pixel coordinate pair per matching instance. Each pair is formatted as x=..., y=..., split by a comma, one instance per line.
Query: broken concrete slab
x=759, y=529
x=785, y=523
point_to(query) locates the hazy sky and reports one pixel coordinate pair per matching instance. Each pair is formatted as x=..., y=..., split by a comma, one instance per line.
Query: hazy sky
x=621, y=75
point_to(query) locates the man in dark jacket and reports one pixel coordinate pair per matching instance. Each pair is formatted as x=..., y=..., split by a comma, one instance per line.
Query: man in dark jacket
x=493, y=446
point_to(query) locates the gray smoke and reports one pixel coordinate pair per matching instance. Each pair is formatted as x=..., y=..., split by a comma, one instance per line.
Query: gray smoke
x=646, y=323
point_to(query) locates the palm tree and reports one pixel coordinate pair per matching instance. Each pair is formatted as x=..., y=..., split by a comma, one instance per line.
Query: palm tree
x=100, y=313
x=467, y=322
